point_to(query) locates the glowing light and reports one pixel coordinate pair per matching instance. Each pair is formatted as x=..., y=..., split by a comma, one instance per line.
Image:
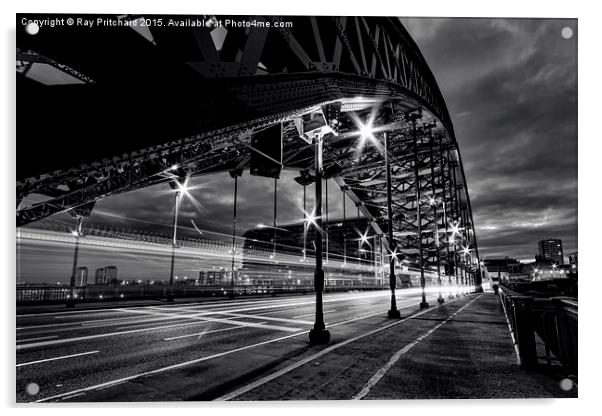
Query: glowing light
x=393, y=254
x=554, y=266
x=310, y=218
x=364, y=238
x=432, y=201
x=455, y=228
x=183, y=187
x=366, y=131
x=466, y=251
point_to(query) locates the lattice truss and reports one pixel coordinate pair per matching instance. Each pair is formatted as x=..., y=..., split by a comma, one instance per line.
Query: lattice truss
x=276, y=74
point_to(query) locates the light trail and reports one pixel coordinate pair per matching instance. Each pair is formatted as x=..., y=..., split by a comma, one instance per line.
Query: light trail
x=57, y=358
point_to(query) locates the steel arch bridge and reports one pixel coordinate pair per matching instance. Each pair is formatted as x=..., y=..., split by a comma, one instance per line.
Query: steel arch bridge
x=134, y=100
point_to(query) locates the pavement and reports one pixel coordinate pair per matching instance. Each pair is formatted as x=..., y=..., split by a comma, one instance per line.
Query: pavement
x=257, y=349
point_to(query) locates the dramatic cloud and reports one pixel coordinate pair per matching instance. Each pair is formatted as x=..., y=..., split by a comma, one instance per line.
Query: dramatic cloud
x=511, y=89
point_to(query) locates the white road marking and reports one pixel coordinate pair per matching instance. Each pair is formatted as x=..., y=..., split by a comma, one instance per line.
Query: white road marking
x=196, y=361
x=87, y=337
x=160, y=370
x=76, y=326
x=37, y=339
x=380, y=373
x=56, y=358
x=132, y=331
x=361, y=306
x=138, y=324
x=275, y=375
x=312, y=314
x=206, y=332
x=269, y=318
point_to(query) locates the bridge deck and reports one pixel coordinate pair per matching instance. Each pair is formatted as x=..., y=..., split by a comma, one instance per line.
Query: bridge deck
x=462, y=349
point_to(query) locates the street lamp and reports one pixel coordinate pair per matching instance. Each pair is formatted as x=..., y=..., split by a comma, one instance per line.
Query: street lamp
x=236, y=173
x=77, y=233
x=318, y=334
x=304, y=180
x=467, y=266
x=413, y=117
x=181, y=188
x=393, y=311
x=433, y=204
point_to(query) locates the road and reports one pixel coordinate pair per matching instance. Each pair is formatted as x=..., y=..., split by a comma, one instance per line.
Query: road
x=72, y=354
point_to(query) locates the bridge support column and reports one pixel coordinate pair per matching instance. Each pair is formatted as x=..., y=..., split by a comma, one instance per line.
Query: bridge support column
x=393, y=311
x=318, y=334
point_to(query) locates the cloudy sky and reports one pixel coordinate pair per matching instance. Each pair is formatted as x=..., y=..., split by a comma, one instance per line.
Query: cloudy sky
x=511, y=89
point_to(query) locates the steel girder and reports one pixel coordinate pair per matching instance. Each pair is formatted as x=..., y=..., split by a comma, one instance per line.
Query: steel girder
x=272, y=75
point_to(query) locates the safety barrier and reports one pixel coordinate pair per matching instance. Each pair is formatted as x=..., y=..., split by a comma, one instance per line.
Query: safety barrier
x=550, y=321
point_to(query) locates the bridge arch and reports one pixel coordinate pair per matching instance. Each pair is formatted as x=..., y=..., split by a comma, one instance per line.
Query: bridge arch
x=132, y=102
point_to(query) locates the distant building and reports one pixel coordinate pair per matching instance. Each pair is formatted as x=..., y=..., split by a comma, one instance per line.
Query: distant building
x=81, y=276
x=573, y=262
x=550, y=250
x=548, y=270
x=110, y=273
x=104, y=275
x=505, y=270
x=99, y=276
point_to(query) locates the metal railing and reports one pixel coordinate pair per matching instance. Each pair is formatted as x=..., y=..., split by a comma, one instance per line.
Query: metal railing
x=550, y=321
x=37, y=295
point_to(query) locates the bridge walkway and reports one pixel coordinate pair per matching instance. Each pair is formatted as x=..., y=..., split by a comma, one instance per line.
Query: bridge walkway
x=462, y=349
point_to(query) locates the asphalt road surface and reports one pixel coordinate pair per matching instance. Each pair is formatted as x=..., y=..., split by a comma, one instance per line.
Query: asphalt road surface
x=68, y=355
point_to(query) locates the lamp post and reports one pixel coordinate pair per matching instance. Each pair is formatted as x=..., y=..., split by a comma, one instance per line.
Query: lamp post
x=326, y=214
x=444, y=179
x=413, y=117
x=179, y=188
x=318, y=334
x=344, y=189
x=433, y=204
x=447, y=245
x=275, y=215
x=359, y=241
x=393, y=311
x=456, y=226
x=77, y=233
x=304, y=223
x=234, y=174
x=304, y=180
